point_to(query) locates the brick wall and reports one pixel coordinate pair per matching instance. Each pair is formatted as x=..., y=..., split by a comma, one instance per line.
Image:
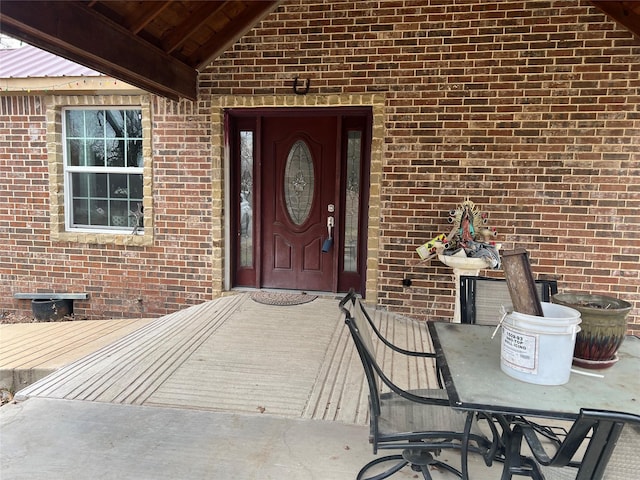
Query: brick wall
x=123, y=279
x=530, y=109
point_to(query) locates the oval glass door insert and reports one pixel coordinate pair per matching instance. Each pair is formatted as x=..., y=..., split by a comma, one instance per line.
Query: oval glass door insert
x=299, y=182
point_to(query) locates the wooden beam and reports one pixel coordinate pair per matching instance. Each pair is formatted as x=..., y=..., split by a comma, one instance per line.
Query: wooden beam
x=625, y=13
x=71, y=30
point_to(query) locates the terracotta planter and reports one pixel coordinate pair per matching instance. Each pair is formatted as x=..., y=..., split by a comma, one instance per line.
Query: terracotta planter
x=603, y=327
x=49, y=310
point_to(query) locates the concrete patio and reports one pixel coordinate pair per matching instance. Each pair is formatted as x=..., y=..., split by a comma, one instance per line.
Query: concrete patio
x=227, y=389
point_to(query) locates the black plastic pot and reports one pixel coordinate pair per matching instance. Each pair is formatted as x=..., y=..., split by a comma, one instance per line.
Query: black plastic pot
x=51, y=310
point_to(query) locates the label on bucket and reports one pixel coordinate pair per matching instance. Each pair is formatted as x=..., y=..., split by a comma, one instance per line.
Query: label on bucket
x=519, y=350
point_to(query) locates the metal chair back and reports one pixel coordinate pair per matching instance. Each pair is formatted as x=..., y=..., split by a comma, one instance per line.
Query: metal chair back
x=421, y=423
x=363, y=330
x=482, y=297
x=625, y=461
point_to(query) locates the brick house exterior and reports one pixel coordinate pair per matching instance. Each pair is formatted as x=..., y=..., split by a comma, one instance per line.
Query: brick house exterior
x=530, y=109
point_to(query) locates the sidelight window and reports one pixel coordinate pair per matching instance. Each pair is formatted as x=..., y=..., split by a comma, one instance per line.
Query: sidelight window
x=246, y=198
x=352, y=201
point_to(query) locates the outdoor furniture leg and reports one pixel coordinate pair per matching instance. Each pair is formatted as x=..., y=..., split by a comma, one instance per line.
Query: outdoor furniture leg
x=514, y=462
x=387, y=473
x=419, y=460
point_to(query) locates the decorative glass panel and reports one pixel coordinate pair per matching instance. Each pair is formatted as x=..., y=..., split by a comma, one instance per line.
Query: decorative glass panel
x=299, y=182
x=246, y=199
x=352, y=204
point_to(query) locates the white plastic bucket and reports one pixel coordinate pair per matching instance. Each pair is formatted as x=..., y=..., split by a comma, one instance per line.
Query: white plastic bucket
x=540, y=349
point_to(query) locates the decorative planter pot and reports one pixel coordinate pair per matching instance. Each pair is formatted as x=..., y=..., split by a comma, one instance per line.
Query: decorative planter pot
x=603, y=327
x=51, y=310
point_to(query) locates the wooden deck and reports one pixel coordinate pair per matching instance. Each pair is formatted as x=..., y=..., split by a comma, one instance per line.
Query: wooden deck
x=235, y=355
x=31, y=351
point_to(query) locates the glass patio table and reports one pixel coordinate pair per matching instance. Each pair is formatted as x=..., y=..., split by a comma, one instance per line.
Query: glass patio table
x=469, y=361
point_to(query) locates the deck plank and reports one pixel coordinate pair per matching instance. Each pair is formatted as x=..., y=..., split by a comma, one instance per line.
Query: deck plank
x=235, y=355
x=104, y=374
x=260, y=357
x=31, y=351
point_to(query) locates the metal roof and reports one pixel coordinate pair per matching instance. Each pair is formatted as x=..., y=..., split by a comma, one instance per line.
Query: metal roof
x=31, y=62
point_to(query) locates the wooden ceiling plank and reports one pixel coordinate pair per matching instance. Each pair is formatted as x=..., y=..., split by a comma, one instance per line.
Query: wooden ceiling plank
x=239, y=25
x=199, y=17
x=147, y=13
x=98, y=44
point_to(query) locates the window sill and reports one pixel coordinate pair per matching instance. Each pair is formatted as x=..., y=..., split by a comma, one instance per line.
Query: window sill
x=109, y=238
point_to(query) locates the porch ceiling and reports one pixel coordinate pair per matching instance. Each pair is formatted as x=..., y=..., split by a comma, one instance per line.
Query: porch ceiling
x=160, y=46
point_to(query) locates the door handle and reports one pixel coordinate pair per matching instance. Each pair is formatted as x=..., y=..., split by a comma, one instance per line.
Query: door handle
x=328, y=243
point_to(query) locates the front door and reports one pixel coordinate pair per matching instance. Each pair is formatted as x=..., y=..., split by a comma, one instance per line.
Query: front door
x=298, y=198
x=295, y=174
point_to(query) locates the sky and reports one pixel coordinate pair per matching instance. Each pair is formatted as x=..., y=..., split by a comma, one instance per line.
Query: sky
x=8, y=42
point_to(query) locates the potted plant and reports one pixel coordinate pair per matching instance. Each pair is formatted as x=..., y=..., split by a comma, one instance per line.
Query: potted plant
x=603, y=327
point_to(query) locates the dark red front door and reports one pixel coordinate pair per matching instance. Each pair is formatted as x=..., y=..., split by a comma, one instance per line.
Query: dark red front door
x=299, y=181
x=291, y=171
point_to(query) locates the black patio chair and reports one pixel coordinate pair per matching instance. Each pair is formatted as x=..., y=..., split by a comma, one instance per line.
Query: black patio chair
x=600, y=445
x=419, y=423
x=482, y=297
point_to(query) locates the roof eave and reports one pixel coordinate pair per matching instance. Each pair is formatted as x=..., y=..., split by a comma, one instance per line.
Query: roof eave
x=67, y=85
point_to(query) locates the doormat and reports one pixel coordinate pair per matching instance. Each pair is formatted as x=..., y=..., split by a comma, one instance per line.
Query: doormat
x=282, y=298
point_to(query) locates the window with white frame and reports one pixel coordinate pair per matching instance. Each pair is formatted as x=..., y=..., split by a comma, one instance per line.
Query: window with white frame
x=103, y=169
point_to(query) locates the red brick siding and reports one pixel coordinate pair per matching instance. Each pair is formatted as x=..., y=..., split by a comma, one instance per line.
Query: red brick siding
x=122, y=281
x=530, y=109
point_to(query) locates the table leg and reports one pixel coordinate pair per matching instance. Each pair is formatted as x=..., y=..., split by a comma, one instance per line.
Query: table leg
x=514, y=462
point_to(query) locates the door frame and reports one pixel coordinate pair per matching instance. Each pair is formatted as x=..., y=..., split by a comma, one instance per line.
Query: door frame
x=220, y=259
x=348, y=118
